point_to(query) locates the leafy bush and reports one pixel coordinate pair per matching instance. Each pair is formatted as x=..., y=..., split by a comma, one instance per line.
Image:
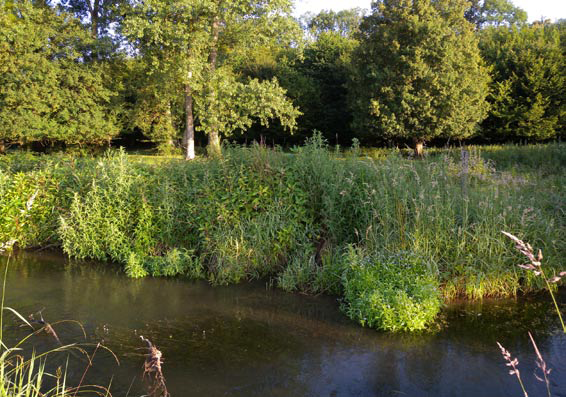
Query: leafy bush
x=392, y=293
x=176, y=262
x=112, y=219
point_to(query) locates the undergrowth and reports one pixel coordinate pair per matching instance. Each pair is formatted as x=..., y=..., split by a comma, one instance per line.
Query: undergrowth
x=299, y=216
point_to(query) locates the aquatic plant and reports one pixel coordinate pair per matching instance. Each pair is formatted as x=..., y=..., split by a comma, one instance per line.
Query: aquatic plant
x=26, y=377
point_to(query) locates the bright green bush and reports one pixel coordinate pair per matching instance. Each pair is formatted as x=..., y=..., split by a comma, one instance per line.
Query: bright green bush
x=390, y=292
x=28, y=206
x=112, y=219
x=241, y=216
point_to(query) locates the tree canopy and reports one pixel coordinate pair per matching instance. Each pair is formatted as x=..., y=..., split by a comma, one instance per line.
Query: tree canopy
x=47, y=92
x=495, y=13
x=527, y=97
x=419, y=74
x=199, y=44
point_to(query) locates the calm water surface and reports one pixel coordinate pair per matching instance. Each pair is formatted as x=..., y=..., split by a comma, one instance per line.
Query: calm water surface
x=252, y=340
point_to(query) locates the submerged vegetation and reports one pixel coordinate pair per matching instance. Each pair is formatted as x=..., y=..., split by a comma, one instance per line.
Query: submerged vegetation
x=392, y=236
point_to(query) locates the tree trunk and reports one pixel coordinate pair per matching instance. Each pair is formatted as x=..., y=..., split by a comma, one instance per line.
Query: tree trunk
x=419, y=149
x=173, y=130
x=214, y=148
x=189, y=136
x=94, y=18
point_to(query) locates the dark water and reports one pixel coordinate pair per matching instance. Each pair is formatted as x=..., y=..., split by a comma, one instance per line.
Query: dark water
x=251, y=340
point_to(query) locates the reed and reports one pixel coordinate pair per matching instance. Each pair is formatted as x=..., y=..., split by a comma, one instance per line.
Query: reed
x=514, y=364
x=22, y=376
x=535, y=266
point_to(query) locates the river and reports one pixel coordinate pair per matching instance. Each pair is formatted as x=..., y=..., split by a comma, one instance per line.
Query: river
x=254, y=340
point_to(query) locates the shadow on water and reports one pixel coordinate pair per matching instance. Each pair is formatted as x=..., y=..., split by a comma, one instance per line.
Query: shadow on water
x=251, y=340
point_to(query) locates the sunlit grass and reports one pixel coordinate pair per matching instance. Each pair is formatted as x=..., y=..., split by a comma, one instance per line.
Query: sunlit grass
x=293, y=216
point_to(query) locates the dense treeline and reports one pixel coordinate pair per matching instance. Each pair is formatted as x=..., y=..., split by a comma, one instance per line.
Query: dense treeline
x=172, y=73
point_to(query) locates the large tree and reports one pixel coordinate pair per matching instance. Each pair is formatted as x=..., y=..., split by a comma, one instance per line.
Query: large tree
x=529, y=81
x=47, y=92
x=199, y=44
x=419, y=74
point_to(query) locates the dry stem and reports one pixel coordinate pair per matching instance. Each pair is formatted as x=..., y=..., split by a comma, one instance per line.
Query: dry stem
x=152, y=366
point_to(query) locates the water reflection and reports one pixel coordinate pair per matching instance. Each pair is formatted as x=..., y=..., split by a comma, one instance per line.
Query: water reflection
x=250, y=340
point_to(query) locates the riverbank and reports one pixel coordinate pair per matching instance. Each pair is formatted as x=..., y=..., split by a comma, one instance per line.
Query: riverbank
x=393, y=236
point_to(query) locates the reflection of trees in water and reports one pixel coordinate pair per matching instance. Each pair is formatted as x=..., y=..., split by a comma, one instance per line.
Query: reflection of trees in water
x=250, y=340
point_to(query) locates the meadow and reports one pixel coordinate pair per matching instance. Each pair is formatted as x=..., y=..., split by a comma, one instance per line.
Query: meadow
x=394, y=237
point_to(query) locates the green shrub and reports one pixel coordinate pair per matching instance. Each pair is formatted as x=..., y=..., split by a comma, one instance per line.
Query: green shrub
x=176, y=262
x=390, y=292
x=28, y=206
x=113, y=219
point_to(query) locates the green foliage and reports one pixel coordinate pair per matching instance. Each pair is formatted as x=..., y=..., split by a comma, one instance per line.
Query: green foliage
x=294, y=217
x=151, y=103
x=47, y=93
x=32, y=192
x=176, y=262
x=528, y=82
x=418, y=74
x=317, y=82
x=495, y=13
x=235, y=105
x=390, y=292
x=111, y=220
x=308, y=273
x=346, y=23
x=237, y=213
x=198, y=45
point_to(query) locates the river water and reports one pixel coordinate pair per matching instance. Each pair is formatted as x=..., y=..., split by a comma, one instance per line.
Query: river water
x=254, y=340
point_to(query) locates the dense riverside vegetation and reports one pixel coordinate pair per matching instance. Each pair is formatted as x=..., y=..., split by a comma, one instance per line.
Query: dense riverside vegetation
x=394, y=236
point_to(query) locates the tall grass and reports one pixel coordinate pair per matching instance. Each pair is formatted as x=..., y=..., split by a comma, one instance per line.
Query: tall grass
x=25, y=375
x=297, y=216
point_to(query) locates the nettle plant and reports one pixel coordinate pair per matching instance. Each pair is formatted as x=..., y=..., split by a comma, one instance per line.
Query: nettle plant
x=390, y=292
